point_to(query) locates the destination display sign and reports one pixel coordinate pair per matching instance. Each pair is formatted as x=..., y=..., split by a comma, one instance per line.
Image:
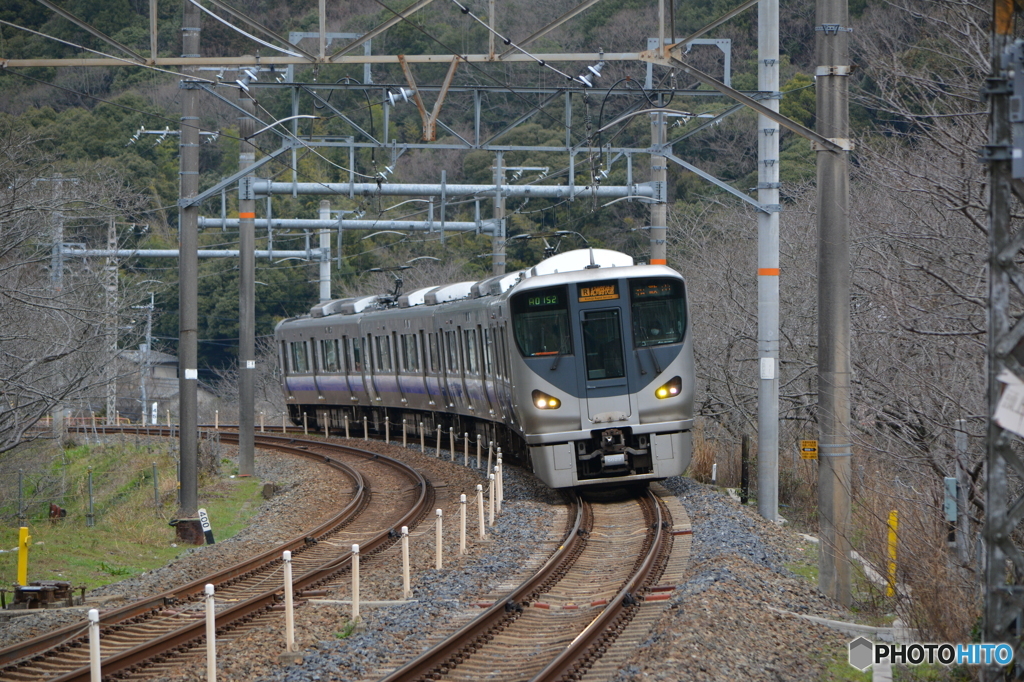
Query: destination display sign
x=599, y=292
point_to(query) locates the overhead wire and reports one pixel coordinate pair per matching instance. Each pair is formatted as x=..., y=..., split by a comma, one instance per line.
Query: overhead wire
x=128, y=62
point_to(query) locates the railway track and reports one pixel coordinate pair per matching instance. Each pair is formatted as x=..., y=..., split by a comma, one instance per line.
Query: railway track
x=153, y=629
x=559, y=622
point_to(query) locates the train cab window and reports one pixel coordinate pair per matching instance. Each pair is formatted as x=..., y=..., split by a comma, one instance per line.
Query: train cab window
x=329, y=353
x=300, y=359
x=383, y=353
x=410, y=353
x=540, y=322
x=282, y=354
x=471, y=353
x=659, y=311
x=602, y=344
x=357, y=354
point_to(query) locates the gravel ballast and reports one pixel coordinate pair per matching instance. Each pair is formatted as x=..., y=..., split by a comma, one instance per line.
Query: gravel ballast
x=718, y=626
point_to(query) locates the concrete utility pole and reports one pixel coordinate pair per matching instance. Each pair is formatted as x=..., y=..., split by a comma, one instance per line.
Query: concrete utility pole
x=659, y=209
x=834, y=278
x=1004, y=599
x=246, y=288
x=188, y=274
x=498, y=238
x=110, y=290
x=768, y=263
x=325, y=252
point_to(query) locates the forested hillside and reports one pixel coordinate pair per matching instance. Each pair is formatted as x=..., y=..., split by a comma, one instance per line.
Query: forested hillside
x=918, y=201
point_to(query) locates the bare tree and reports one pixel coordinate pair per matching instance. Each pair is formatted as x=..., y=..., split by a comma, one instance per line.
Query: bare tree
x=54, y=319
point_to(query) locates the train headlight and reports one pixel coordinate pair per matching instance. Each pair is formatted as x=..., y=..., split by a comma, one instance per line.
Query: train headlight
x=669, y=390
x=543, y=401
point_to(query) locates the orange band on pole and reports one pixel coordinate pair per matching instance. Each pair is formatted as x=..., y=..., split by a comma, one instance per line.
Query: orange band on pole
x=243, y=216
x=659, y=261
x=771, y=272
x=1002, y=23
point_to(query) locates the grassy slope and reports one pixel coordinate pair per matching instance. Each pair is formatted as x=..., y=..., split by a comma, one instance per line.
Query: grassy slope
x=130, y=535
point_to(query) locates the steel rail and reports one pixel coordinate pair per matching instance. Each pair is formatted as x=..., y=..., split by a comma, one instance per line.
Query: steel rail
x=244, y=610
x=567, y=665
x=503, y=610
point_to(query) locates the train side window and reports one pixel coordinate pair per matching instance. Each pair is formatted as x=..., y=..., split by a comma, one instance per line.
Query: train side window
x=357, y=354
x=329, y=353
x=488, y=353
x=410, y=356
x=452, y=342
x=471, y=354
x=300, y=361
x=346, y=363
x=540, y=322
x=503, y=354
x=435, y=356
x=383, y=353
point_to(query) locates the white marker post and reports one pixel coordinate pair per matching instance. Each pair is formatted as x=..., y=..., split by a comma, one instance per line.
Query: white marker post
x=284, y=423
x=465, y=449
x=355, y=582
x=204, y=521
x=500, y=482
x=346, y=426
x=490, y=453
x=479, y=444
x=490, y=494
x=262, y=423
x=405, y=435
x=168, y=419
x=387, y=429
x=95, y=666
x=406, y=584
x=462, y=525
x=289, y=606
x=305, y=424
x=366, y=433
x=211, y=636
x=451, y=443
x=423, y=445
x=496, y=490
x=438, y=453
x=480, y=511
x=216, y=420
x=437, y=541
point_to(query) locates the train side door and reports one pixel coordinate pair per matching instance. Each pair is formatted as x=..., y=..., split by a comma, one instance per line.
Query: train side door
x=435, y=370
x=361, y=369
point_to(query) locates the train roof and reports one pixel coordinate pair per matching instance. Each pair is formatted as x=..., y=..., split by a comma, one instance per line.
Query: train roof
x=576, y=261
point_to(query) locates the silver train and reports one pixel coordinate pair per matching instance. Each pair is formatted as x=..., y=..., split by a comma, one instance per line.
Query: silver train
x=580, y=368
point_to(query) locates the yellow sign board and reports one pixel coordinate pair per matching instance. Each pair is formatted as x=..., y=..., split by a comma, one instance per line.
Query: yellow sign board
x=600, y=292
x=809, y=449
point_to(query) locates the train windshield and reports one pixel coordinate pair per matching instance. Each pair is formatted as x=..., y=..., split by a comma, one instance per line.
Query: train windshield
x=602, y=343
x=540, y=319
x=659, y=311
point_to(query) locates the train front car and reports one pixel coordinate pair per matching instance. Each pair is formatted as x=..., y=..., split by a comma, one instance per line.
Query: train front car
x=606, y=360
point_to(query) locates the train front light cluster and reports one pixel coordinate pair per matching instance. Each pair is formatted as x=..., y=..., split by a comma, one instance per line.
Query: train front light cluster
x=543, y=401
x=670, y=389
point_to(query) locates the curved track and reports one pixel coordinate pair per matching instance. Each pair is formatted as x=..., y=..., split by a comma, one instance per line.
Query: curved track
x=559, y=622
x=154, y=628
